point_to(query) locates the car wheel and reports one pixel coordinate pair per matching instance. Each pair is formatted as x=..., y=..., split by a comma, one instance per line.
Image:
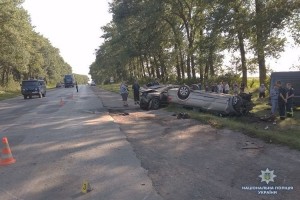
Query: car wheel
x=183, y=92
x=144, y=106
x=30, y=96
x=237, y=103
x=155, y=104
x=25, y=96
x=44, y=94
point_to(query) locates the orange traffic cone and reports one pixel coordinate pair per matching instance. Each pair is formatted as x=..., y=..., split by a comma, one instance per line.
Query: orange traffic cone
x=61, y=103
x=6, y=157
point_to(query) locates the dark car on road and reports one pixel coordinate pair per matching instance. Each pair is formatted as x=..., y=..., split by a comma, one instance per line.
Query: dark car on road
x=30, y=88
x=155, y=96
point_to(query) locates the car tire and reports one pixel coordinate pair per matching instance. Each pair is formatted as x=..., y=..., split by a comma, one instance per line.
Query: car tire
x=25, y=96
x=44, y=94
x=144, y=106
x=237, y=103
x=183, y=92
x=155, y=104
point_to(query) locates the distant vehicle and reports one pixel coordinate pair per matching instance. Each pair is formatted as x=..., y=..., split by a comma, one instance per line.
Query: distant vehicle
x=224, y=104
x=69, y=80
x=292, y=77
x=30, y=88
x=154, y=97
x=58, y=85
x=93, y=83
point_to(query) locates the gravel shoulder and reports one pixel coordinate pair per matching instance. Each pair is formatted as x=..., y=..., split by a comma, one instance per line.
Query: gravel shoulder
x=189, y=160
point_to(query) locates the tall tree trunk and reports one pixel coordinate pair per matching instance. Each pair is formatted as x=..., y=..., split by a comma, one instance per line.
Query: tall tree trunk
x=156, y=68
x=152, y=68
x=147, y=66
x=201, y=73
x=182, y=65
x=243, y=57
x=206, y=70
x=162, y=67
x=259, y=7
x=193, y=66
x=241, y=45
x=188, y=67
x=2, y=76
x=211, y=62
x=177, y=63
x=142, y=66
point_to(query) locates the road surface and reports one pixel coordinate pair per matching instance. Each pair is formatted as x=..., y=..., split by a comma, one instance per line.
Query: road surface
x=62, y=140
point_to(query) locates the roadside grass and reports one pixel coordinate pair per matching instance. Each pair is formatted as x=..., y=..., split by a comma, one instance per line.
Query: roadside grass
x=8, y=94
x=284, y=132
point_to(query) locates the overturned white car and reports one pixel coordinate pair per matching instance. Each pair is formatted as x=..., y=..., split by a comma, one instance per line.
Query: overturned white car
x=224, y=104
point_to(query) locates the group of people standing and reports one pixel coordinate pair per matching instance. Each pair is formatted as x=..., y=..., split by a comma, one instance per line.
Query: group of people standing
x=282, y=99
x=124, y=92
x=223, y=87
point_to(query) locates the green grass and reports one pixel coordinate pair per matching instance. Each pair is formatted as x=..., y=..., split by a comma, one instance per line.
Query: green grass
x=8, y=94
x=285, y=132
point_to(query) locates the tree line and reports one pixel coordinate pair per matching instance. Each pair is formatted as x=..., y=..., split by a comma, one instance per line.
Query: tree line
x=180, y=40
x=25, y=53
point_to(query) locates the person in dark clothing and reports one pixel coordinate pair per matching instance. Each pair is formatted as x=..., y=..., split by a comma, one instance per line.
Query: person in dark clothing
x=76, y=85
x=289, y=100
x=281, y=100
x=136, y=92
x=242, y=87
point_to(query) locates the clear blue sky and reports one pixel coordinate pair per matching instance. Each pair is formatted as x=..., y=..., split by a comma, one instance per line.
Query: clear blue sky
x=73, y=26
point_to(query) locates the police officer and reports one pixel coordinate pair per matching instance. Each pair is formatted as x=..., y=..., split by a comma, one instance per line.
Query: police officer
x=281, y=100
x=289, y=100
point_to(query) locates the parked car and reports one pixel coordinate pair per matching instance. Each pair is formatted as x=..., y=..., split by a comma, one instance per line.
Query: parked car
x=155, y=96
x=220, y=103
x=30, y=88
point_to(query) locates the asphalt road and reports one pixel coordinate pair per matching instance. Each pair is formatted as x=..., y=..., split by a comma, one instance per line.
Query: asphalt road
x=63, y=139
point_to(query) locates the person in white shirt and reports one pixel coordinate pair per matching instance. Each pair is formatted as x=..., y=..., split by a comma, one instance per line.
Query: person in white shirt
x=262, y=91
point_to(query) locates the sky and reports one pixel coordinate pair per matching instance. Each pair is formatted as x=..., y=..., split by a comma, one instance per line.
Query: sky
x=74, y=27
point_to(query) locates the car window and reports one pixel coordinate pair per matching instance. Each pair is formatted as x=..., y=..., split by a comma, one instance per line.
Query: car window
x=30, y=83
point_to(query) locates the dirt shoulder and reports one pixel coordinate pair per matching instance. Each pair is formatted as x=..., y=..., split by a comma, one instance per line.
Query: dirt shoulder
x=189, y=160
